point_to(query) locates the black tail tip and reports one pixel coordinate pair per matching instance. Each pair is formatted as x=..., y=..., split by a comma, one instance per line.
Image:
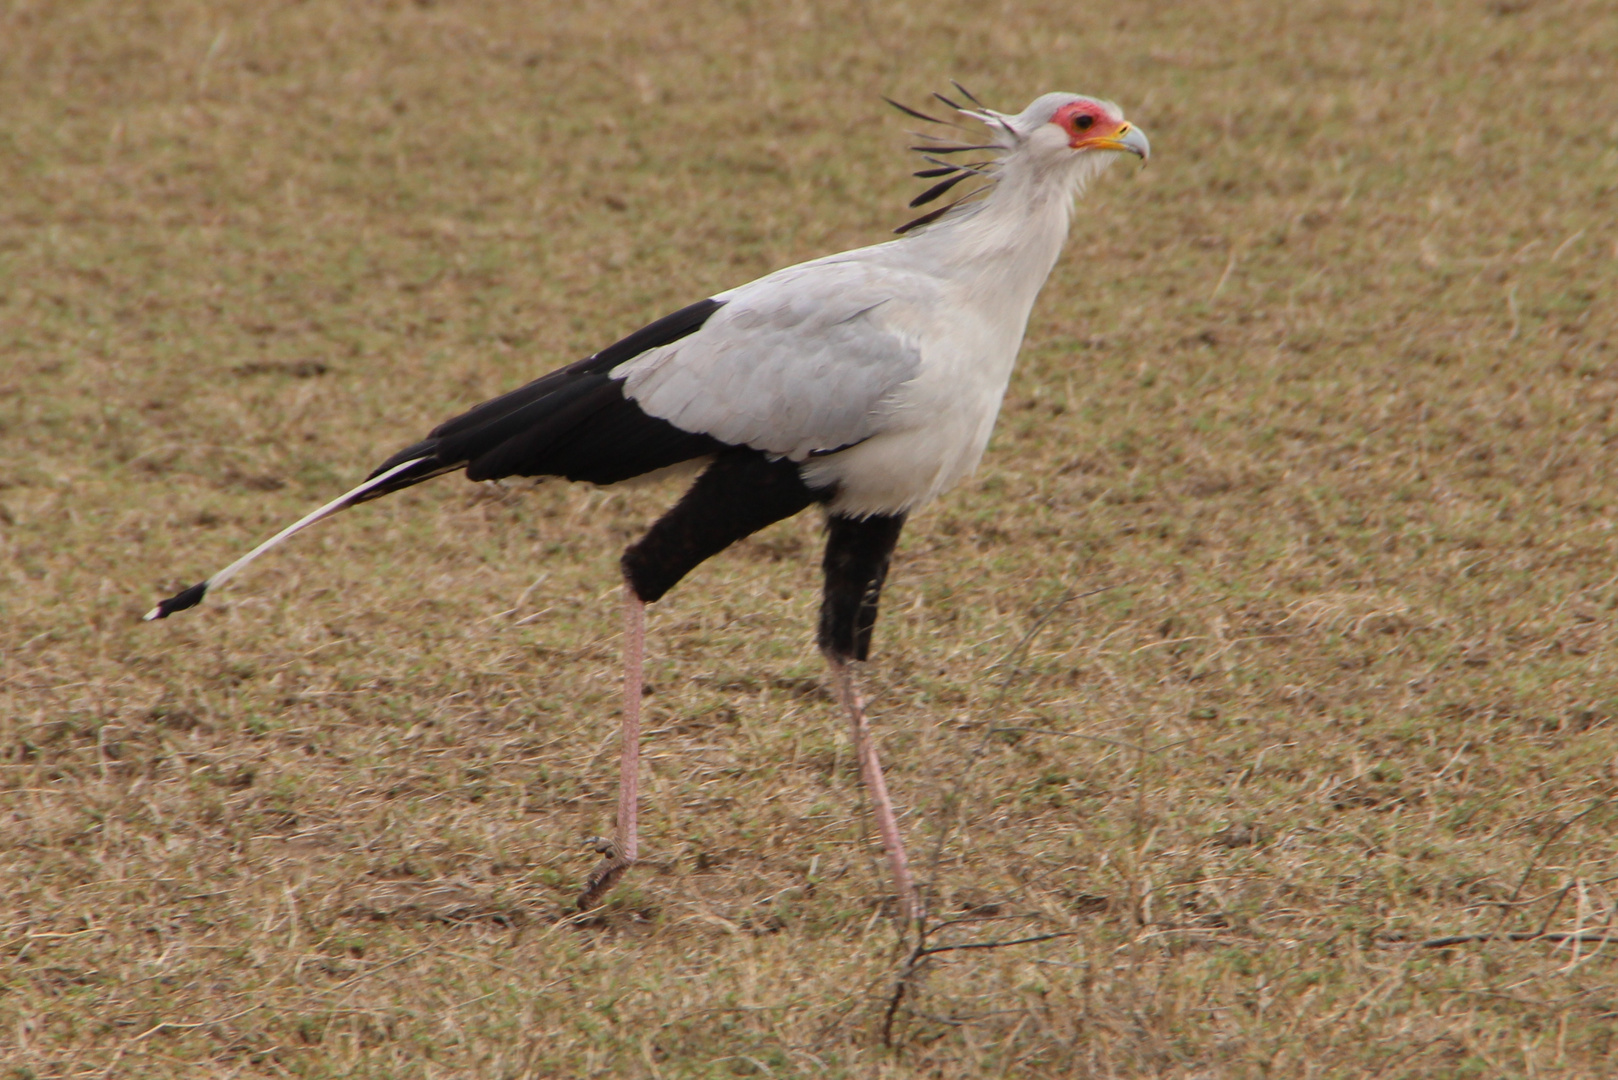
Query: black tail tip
x=185, y=598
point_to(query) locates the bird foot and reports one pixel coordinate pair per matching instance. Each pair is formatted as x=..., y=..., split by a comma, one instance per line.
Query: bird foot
x=601, y=879
x=606, y=872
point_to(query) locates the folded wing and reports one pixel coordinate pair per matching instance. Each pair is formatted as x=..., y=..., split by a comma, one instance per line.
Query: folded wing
x=806, y=360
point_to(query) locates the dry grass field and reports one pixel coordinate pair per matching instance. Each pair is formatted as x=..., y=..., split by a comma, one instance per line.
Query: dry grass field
x=1274, y=642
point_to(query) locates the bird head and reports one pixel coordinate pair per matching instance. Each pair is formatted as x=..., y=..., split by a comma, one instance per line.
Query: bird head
x=1062, y=137
x=1092, y=126
x=1063, y=125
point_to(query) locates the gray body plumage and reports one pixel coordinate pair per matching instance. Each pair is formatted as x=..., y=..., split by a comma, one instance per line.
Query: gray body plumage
x=882, y=369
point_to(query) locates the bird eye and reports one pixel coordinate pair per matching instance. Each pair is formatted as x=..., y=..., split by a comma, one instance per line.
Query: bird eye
x=1083, y=121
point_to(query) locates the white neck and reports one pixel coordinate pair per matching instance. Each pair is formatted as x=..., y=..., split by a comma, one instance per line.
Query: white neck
x=1006, y=245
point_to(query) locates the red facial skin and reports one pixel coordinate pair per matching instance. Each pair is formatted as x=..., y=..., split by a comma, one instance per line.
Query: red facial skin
x=1086, y=122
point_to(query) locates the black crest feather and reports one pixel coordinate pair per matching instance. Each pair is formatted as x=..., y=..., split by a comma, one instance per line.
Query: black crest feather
x=938, y=189
x=973, y=98
x=908, y=111
x=947, y=173
x=953, y=149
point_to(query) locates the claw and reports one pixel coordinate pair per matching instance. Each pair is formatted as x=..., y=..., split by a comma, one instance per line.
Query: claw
x=603, y=878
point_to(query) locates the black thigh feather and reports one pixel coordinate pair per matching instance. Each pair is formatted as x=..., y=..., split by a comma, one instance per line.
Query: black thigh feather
x=858, y=551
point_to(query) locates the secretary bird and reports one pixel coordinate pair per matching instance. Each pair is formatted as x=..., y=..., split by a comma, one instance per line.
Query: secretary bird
x=866, y=382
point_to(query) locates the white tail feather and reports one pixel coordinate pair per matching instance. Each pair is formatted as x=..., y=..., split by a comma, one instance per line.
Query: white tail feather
x=339, y=503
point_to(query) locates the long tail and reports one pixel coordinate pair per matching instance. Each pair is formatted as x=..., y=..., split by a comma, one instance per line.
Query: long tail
x=574, y=422
x=191, y=597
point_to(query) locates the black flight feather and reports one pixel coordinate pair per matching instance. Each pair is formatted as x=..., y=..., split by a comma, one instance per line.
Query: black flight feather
x=942, y=170
x=574, y=422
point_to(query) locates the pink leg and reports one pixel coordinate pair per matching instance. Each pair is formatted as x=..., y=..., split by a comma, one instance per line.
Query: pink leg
x=620, y=854
x=871, y=773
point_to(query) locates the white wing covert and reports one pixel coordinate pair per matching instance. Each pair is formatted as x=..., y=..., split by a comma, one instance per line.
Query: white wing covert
x=805, y=359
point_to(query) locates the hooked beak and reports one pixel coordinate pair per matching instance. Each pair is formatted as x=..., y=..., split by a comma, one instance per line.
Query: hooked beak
x=1128, y=138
